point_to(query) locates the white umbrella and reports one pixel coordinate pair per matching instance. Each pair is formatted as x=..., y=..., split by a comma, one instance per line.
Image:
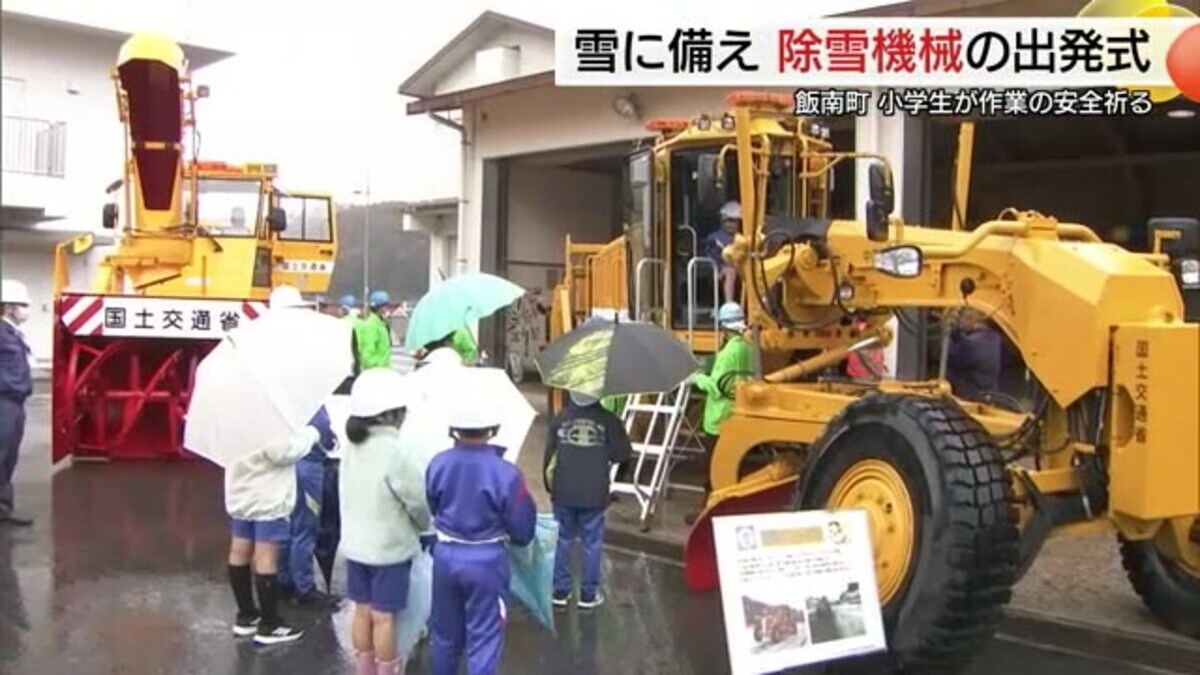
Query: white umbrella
x=428, y=424
x=265, y=381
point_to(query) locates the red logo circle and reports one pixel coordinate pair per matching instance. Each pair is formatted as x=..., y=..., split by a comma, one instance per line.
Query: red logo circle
x=1183, y=62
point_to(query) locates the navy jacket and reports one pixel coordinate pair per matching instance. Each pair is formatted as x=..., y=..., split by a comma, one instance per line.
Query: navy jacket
x=584, y=441
x=16, y=380
x=324, y=427
x=973, y=363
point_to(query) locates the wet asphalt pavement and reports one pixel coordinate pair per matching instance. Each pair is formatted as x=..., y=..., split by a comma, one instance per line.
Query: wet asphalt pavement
x=124, y=573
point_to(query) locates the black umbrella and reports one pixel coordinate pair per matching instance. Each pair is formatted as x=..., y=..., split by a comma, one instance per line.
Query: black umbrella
x=329, y=533
x=606, y=358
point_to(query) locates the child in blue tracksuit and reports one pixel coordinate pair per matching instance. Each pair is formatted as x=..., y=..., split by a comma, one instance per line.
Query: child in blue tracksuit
x=477, y=501
x=296, y=555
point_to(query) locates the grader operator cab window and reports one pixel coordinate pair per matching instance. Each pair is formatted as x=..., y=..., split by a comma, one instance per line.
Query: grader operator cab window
x=307, y=219
x=225, y=207
x=701, y=184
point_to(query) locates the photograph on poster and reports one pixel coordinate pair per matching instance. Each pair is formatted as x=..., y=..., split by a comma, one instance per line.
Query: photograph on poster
x=797, y=588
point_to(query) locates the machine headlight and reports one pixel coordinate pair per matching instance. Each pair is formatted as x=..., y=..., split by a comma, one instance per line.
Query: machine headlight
x=704, y=123
x=728, y=122
x=1189, y=272
x=899, y=261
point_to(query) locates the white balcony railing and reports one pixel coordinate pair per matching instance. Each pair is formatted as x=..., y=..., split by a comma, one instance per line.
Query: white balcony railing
x=33, y=146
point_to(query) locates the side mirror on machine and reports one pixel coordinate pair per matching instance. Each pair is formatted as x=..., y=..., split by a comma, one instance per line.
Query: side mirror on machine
x=904, y=262
x=882, y=201
x=109, y=218
x=277, y=219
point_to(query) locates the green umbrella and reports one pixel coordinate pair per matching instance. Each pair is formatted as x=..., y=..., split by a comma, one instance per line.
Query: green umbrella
x=452, y=304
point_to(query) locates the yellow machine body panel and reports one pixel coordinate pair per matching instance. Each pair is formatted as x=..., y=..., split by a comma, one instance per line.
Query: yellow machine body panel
x=1155, y=421
x=200, y=229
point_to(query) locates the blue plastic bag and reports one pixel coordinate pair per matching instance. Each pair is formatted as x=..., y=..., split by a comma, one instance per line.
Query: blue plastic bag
x=410, y=623
x=533, y=571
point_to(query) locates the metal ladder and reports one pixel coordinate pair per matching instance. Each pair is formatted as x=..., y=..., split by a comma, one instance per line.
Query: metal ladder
x=656, y=451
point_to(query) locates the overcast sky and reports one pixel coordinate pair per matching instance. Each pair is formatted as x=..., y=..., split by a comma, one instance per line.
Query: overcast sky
x=313, y=84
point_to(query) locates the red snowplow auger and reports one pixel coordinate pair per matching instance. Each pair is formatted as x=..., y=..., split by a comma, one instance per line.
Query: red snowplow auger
x=767, y=490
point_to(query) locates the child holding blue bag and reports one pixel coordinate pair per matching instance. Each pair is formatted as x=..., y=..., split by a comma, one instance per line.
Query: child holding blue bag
x=383, y=511
x=478, y=502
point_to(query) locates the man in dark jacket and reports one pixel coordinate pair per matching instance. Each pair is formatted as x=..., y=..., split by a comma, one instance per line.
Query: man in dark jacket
x=973, y=362
x=585, y=441
x=16, y=384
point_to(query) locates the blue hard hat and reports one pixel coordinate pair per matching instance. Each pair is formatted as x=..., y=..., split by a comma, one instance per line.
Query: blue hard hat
x=379, y=298
x=349, y=301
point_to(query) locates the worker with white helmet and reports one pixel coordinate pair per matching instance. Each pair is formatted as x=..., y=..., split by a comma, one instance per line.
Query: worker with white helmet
x=260, y=497
x=731, y=224
x=383, y=512
x=16, y=384
x=733, y=362
x=478, y=502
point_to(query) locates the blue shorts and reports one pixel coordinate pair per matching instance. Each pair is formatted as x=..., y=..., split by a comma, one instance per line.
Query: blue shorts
x=278, y=530
x=383, y=587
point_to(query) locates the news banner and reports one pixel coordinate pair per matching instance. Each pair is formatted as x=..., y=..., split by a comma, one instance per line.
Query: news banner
x=994, y=67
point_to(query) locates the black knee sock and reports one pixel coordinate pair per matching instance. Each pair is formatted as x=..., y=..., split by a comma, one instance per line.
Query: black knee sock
x=243, y=589
x=268, y=597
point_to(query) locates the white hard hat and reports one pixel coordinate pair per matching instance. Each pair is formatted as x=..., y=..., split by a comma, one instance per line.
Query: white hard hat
x=472, y=409
x=378, y=390
x=731, y=211
x=13, y=292
x=287, y=296
x=731, y=316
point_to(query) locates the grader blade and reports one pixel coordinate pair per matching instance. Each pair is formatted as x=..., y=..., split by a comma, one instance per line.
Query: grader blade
x=763, y=491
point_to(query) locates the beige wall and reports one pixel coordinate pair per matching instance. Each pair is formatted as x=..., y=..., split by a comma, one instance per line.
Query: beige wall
x=547, y=203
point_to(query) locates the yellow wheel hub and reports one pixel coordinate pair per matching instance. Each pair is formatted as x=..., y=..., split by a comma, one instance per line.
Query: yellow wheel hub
x=875, y=487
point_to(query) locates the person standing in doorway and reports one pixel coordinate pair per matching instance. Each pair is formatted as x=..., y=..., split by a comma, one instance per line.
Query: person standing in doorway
x=16, y=385
x=585, y=440
x=373, y=334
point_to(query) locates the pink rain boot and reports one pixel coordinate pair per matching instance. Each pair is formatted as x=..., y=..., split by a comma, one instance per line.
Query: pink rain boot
x=393, y=667
x=365, y=663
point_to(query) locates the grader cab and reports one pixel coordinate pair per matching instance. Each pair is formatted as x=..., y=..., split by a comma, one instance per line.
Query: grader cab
x=960, y=494
x=199, y=246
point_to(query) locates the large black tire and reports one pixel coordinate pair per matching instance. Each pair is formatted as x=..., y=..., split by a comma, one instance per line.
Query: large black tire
x=1172, y=594
x=964, y=558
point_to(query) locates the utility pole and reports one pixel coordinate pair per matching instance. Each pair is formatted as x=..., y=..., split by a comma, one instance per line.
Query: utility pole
x=366, y=244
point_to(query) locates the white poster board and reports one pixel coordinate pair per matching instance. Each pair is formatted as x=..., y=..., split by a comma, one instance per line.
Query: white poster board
x=797, y=588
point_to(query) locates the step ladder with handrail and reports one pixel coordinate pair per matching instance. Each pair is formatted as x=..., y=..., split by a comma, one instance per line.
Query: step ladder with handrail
x=654, y=422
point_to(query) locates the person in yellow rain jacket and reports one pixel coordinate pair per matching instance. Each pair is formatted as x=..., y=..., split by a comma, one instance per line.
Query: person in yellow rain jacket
x=733, y=361
x=373, y=335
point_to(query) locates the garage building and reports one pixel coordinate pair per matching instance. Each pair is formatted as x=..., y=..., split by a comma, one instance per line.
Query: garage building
x=540, y=163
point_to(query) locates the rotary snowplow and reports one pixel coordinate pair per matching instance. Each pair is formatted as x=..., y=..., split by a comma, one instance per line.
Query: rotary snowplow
x=199, y=245
x=960, y=494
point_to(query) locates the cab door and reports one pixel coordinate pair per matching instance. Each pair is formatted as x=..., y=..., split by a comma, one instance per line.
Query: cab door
x=304, y=251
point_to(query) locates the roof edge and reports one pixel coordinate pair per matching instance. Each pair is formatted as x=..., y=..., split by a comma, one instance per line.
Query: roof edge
x=409, y=87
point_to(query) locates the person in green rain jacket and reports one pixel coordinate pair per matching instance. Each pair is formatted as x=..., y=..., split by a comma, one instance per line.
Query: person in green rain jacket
x=464, y=343
x=733, y=361
x=373, y=335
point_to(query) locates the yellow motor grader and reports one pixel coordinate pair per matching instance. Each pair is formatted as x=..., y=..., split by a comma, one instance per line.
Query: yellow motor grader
x=960, y=494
